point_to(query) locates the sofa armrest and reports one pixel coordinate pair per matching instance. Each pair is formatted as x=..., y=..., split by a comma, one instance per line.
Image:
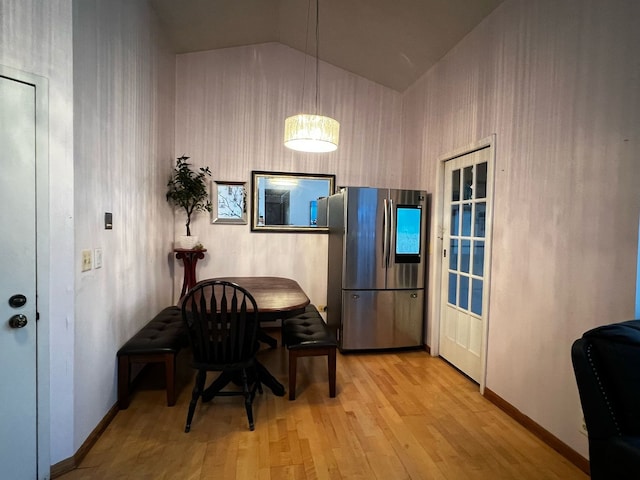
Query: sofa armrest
x=597, y=408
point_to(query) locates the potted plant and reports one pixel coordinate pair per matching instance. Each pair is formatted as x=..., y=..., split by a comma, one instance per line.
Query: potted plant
x=187, y=189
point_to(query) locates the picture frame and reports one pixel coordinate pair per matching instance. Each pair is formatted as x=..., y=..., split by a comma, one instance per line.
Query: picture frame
x=229, y=202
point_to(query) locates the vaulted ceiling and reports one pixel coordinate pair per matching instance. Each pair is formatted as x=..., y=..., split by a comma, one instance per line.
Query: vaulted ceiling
x=391, y=42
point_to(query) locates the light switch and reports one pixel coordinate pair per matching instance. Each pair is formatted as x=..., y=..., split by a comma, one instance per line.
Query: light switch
x=97, y=258
x=86, y=260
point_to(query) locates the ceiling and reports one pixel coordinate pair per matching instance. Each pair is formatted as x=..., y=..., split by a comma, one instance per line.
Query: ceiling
x=391, y=42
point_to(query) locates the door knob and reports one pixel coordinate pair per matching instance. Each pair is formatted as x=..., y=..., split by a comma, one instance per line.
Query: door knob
x=17, y=321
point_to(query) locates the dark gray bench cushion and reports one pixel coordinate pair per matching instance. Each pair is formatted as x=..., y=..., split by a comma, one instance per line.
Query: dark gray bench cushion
x=307, y=330
x=165, y=333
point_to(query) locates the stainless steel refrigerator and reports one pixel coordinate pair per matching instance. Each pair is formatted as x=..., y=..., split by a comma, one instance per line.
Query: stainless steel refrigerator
x=376, y=271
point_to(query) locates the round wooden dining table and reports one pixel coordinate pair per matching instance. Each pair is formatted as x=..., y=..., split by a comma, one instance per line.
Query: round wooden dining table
x=277, y=297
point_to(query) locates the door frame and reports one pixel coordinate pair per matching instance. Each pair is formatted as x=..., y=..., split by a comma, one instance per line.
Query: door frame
x=41, y=85
x=438, y=217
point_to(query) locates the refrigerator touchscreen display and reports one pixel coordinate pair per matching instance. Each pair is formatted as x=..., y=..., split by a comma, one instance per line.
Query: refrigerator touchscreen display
x=408, y=219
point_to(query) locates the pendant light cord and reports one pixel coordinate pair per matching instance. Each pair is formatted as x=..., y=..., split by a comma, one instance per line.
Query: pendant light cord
x=317, y=50
x=306, y=45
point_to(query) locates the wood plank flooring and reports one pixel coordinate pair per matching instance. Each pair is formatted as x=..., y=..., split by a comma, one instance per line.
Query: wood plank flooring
x=396, y=416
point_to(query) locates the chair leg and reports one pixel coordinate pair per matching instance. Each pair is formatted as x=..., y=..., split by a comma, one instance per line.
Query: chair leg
x=258, y=382
x=197, y=391
x=331, y=364
x=247, y=399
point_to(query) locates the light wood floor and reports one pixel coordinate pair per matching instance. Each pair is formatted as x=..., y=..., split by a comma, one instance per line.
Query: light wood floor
x=396, y=416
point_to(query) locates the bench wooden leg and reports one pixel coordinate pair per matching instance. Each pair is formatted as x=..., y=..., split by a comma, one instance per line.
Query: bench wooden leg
x=330, y=352
x=331, y=364
x=124, y=375
x=124, y=372
x=170, y=377
x=293, y=363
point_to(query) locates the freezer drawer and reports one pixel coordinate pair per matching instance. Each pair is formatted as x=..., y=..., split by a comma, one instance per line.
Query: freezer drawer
x=375, y=319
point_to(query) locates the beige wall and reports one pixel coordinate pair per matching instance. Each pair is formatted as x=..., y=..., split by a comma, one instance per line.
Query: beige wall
x=123, y=136
x=558, y=83
x=230, y=111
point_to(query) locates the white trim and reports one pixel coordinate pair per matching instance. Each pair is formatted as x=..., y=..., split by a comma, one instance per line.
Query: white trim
x=41, y=85
x=437, y=236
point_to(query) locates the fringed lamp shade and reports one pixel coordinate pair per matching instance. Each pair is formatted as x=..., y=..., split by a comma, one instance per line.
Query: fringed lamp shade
x=311, y=133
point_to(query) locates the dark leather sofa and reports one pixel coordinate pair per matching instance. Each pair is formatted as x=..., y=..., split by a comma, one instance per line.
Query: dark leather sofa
x=606, y=362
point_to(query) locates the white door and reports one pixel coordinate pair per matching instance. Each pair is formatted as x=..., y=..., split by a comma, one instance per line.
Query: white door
x=18, y=427
x=467, y=193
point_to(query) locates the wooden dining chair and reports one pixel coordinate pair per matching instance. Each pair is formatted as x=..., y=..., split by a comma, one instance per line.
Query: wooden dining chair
x=222, y=324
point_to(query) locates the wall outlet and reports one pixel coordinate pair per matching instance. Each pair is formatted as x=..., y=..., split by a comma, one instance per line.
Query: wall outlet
x=86, y=260
x=97, y=258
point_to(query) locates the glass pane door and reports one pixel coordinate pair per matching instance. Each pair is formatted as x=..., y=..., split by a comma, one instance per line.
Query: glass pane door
x=464, y=260
x=467, y=237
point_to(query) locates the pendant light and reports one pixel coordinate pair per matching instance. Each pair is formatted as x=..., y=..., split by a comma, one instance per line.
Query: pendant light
x=312, y=132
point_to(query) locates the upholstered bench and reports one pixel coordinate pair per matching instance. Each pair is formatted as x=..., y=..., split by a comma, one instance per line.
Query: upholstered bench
x=307, y=335
x=159, y=341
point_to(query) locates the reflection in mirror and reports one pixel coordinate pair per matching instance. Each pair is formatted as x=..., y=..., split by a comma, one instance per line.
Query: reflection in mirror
x=285, y=202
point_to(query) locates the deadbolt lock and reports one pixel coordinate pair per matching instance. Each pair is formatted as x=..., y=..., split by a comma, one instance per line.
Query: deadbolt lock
x=17, y=301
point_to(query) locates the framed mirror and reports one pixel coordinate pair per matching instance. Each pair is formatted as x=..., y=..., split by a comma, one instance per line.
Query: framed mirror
x=288, y=202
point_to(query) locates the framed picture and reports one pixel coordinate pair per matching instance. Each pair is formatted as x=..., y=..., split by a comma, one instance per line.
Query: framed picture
x=229, y=202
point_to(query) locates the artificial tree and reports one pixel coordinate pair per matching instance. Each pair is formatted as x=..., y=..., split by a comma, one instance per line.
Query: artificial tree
x=187, y=189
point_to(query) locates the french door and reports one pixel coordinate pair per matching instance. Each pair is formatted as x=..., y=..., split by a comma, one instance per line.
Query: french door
x=464, y=282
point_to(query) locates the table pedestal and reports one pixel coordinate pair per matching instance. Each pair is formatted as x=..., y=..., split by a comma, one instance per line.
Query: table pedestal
x=189, y=259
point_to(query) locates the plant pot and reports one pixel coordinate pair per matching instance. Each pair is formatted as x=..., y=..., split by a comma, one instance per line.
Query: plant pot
x=186, y=241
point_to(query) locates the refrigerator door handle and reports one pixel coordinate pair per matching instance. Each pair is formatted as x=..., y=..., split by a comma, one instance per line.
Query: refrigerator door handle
x=390, y=231
x=385, y=235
